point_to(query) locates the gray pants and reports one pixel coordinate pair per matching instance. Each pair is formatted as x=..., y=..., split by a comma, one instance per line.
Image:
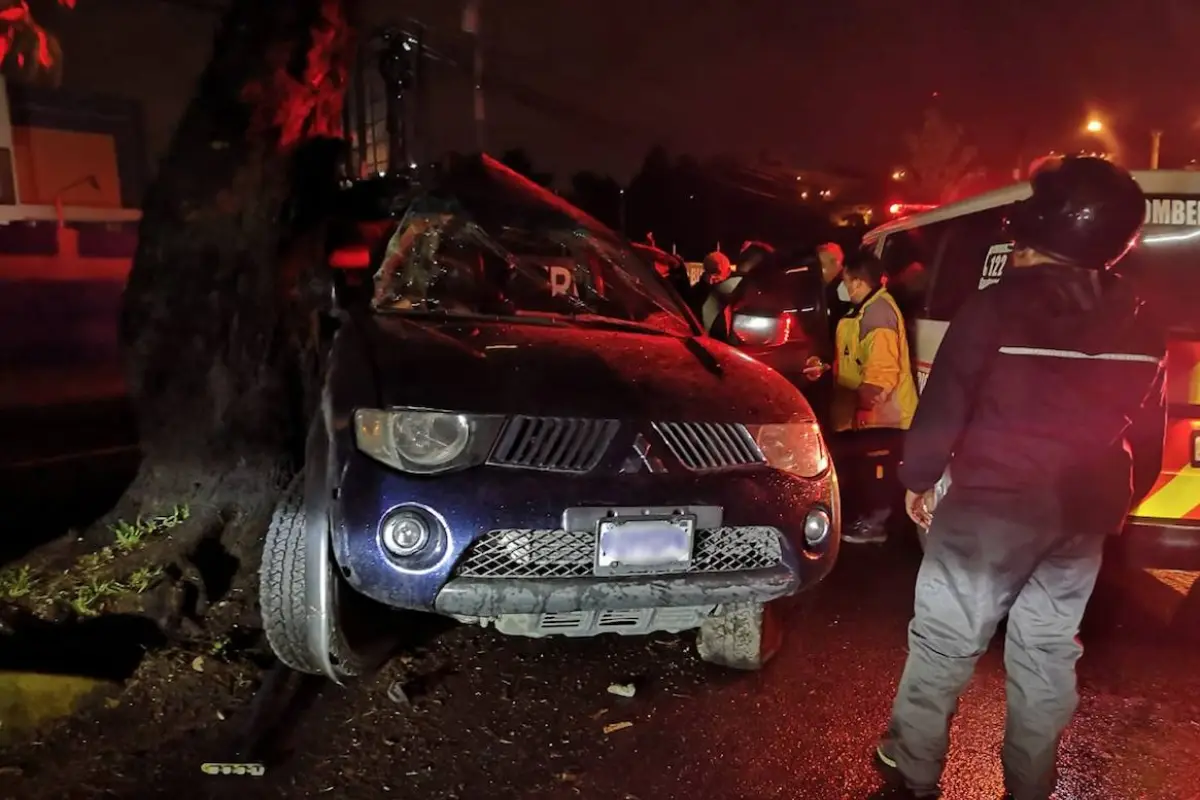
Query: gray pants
x=977, y=568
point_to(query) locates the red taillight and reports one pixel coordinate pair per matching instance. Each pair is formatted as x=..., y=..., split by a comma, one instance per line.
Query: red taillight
x=354, y=257
x=762, y=331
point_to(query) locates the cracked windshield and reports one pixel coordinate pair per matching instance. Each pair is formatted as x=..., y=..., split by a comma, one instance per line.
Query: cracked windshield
x=532, y=262
x=662, y=400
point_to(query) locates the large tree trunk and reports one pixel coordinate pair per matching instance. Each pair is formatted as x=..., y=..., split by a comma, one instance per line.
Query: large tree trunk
x=220, y=309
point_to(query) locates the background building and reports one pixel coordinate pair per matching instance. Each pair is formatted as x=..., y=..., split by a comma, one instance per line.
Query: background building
x=72, y=175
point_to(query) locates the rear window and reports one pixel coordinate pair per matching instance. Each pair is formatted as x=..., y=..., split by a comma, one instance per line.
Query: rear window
x=789, y=284
x=1165, y=267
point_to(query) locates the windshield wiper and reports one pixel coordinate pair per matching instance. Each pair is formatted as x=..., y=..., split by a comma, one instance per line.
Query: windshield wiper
x=601, y=321
x=466, y=316
x=702, y=354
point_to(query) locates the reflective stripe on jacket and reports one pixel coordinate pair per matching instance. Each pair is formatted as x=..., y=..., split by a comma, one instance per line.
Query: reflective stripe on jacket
x=872, y=348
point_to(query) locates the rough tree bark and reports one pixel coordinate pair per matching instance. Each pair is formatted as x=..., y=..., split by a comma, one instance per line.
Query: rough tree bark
x=220, y=310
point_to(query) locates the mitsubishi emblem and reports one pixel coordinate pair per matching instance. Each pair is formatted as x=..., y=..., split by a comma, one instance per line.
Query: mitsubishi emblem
x=642, y=460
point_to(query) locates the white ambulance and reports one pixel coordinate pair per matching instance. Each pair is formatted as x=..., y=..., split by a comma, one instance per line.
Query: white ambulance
x=949, y=252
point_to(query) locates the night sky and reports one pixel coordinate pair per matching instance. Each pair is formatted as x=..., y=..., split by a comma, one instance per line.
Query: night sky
x=812, y=84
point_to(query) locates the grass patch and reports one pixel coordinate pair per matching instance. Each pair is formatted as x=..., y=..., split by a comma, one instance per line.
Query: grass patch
x=94, y=578
x=17, y=583
x=89, y=595
x=220, y=647
x=143, y=578
x=129, y=536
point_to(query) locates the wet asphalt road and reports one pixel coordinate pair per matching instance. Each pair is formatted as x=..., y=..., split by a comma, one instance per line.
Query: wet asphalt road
x=492, y=717
x=518, y=718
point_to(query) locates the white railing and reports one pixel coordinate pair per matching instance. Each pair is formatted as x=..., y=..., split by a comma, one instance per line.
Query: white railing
x=49, y=213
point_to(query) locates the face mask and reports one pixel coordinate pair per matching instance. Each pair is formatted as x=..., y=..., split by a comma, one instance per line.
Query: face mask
x=843, y=293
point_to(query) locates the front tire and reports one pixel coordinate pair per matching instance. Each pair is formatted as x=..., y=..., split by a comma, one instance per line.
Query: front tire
x=283, y=580
x=741, y=636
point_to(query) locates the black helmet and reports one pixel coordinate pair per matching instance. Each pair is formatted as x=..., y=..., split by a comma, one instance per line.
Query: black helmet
x=1085, y=211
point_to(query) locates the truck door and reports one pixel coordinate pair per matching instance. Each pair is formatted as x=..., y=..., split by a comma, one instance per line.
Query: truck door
x=1166, y=269
x=778, y=315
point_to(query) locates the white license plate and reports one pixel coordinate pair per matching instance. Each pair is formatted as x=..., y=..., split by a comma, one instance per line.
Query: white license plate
x=641, y=545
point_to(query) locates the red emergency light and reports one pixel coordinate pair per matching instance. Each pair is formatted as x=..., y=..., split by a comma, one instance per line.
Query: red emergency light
x=904, y=209
x=356, y=254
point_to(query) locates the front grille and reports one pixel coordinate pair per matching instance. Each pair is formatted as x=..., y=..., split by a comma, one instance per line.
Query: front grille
x=537, y=554
x=710, y=445
x=554, y=444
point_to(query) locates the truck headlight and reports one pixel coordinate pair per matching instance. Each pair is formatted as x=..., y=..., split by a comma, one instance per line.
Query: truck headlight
x=795, y=447
x=425, y=442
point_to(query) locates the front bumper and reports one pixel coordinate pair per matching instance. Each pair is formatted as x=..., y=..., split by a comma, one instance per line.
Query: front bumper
x=474, y=597
x=1159, y=544
x=488, y=500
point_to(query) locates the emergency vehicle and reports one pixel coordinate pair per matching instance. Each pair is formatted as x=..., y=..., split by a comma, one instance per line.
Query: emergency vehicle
x=943, y=255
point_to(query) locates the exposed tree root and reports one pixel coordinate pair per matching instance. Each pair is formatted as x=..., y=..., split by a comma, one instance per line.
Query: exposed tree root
x=208, y=553
x=230, y=507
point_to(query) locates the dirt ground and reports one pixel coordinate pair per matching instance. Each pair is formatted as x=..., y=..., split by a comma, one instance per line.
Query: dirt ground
x=472, y=715
x=394, y=733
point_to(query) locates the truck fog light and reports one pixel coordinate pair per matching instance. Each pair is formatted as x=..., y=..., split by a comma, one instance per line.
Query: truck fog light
x=816, y=527
x=405, y=533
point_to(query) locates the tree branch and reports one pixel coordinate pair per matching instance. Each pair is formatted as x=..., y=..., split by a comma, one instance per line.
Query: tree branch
x=27, y=48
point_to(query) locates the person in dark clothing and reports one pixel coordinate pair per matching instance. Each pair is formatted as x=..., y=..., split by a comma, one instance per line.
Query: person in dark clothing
x=1046, y=404
x=830, y=259
x=712, y=291
x=725, y=293
x=670, y=268
x=833, y=261
x=754, y=254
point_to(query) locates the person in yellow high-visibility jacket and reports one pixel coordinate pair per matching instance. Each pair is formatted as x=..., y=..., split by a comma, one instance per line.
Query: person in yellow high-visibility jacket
x=875, y=397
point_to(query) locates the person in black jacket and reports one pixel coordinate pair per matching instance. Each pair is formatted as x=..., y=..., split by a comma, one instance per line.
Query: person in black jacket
x=728, y=292
x=1046, y=403
x=833, y=261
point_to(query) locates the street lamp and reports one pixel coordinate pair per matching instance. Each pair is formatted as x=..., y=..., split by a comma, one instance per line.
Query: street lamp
x=1111, y=147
